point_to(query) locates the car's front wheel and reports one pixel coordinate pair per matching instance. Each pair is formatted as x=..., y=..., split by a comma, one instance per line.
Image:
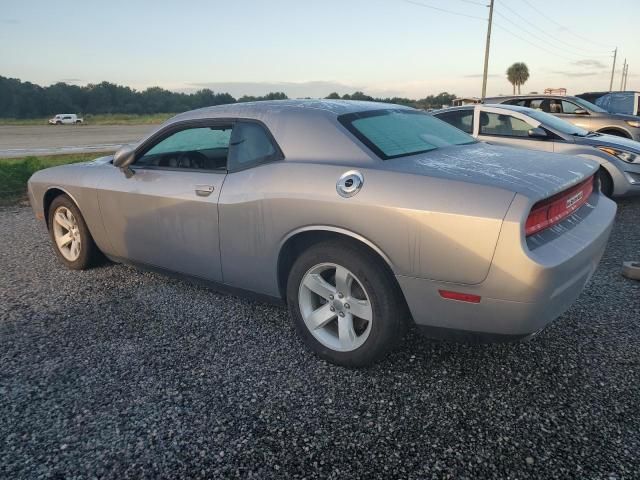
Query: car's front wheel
x=72, y=241
x=345, y=304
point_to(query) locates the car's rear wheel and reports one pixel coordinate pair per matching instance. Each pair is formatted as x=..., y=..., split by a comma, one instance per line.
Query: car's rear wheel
x=72, y=241
x=606, y=182
x=615, y=133
x=345, y=304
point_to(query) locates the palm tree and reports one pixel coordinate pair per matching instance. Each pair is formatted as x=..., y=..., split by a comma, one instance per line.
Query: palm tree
x=518, y=74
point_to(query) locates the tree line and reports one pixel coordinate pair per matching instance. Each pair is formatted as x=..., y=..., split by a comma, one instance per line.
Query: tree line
x=27, y=100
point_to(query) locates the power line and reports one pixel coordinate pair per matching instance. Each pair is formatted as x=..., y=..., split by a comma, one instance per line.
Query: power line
x=537, y=37
x=419, y=4
x=563, y=27
x=472, y=2
x=531, y=43
x=554, y=38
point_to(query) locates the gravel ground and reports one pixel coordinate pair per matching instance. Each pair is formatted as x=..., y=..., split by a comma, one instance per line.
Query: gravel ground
x=115, y=373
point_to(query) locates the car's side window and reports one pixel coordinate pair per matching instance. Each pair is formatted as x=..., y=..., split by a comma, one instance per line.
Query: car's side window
x=569, y=107
x=519, y=102
x=461, y=119
x=539, y=104
x=250, y=145
x=503, y=125
x=201, y=148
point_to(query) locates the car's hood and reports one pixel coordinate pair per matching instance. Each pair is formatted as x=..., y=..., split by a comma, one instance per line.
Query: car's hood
x=532, y=173
x=610, y=141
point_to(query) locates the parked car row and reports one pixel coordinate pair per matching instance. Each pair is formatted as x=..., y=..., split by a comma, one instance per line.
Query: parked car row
x=578, y=111
x=359, y=216
x=519, y=126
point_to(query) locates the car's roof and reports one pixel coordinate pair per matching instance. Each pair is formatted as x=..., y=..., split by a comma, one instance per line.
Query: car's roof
x=265, y=108
x=533, y=95
x=302, y=128
x=514, y=108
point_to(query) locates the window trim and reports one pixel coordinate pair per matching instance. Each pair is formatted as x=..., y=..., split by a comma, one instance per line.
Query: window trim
x=276, y=157
x=346, y=121
x=178, y=126
x=458, y=110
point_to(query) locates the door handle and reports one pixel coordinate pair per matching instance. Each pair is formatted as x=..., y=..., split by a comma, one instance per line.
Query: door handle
x=204, y=190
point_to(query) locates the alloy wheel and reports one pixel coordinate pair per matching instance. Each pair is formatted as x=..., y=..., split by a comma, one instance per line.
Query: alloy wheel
x=335, y=307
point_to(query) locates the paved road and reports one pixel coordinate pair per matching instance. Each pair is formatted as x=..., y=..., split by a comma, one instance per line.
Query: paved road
x=115, y=373
x=17, y=141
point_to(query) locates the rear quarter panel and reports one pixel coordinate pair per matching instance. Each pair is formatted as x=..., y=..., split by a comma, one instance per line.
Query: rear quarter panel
x=426, y=227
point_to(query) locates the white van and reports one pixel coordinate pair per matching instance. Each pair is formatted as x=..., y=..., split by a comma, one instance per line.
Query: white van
x=65, y=118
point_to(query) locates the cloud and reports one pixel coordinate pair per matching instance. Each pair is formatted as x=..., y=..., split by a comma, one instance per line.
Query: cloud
x=312, y=89
x=9, y=21
x=589, y=63
x=69, y=80
x=574, y=74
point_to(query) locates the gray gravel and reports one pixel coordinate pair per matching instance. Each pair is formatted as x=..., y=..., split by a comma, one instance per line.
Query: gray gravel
x=115, y=373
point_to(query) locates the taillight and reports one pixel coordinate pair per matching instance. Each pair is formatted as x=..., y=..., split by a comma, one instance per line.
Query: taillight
x=553, y=210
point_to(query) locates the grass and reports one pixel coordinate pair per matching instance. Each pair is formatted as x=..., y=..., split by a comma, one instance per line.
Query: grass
x=104, y=119
x=14, y=172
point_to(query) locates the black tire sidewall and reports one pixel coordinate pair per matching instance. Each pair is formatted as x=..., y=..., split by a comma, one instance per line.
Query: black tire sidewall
x=87, y=246
x=606, y=182
x=388, y=315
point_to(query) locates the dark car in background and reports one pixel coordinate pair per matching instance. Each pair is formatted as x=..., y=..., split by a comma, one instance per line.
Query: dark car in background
x=577, y=111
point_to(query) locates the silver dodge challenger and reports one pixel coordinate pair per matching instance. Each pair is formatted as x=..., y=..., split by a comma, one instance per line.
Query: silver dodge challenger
x=362, y=217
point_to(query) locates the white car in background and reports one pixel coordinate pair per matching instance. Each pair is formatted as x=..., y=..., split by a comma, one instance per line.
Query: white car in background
x=65, y=118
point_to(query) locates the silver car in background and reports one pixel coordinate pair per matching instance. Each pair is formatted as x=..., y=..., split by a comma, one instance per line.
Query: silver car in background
x=522, y=127
x=577, y=111
x=358, y=215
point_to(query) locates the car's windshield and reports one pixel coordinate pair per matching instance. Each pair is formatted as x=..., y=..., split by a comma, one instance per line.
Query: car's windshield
x=398, y=133
x=556, y=123
x=588, y=105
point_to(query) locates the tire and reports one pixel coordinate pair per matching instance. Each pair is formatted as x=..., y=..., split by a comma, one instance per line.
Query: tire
x=615, y=133
x=606, y=182
x=71, y=224
x=350, y=340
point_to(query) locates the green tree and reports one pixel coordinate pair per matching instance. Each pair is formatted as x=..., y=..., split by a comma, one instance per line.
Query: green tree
x=333, y=96
x=518, y=74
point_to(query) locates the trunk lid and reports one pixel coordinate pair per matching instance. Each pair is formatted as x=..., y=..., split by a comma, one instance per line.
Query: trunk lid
x=535, y=174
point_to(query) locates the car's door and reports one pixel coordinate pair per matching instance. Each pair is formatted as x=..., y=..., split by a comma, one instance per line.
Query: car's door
x=248, y=209
x=498, y=127
x=166, y=214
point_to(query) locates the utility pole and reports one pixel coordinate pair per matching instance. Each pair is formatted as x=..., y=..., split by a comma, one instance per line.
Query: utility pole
x=624, y=69
x=486, y=52
x=613, y=70
x=626, y=75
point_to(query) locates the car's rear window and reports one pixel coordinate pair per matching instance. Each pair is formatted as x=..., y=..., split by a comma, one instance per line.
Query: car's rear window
x=398, y=133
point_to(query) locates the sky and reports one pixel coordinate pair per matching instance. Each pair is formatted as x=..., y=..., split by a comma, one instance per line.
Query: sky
x=409, y=48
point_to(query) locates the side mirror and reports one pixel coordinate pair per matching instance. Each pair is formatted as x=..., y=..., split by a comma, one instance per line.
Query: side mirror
x=123, y=158
x=580, y=111
x=538, y=132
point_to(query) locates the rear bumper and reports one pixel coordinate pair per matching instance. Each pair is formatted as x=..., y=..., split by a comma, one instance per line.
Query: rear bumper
x=530, y=282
